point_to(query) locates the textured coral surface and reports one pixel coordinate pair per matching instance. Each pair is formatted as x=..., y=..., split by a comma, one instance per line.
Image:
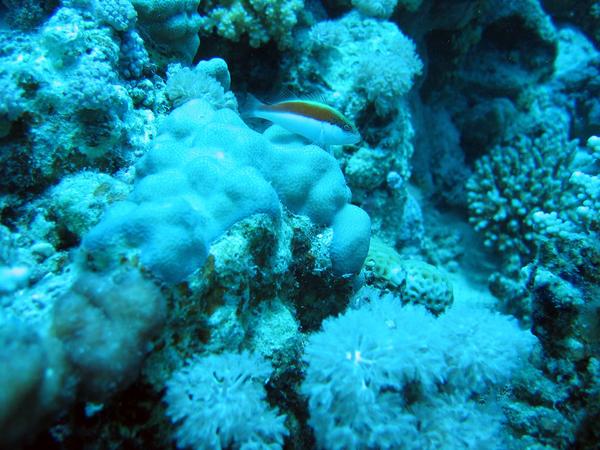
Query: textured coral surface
x=176, y=272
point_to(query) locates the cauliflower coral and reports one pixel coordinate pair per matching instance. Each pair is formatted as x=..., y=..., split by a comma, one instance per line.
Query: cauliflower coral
x=260, y=20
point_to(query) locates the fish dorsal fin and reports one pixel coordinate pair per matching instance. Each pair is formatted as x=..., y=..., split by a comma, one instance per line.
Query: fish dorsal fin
x=317, y=97
x=287, y=94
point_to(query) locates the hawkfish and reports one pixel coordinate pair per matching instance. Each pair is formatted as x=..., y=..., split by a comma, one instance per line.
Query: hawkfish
x=313, y=120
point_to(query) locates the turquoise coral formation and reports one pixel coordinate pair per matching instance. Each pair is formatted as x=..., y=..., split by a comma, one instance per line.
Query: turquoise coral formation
x=378, y=369
x=171, y=23
x=382, y=9
x=218, y=401
x=355, y=55
x=196, y=182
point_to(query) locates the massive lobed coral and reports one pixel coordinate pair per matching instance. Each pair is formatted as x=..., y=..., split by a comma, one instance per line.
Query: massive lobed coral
x=173, y=24
x=208, y=170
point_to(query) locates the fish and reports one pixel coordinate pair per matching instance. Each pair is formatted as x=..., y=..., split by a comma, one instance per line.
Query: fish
x=316, y=121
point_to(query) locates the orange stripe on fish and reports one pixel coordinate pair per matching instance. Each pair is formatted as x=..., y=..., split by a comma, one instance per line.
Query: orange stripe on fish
x=315, y=121
x=315, y=110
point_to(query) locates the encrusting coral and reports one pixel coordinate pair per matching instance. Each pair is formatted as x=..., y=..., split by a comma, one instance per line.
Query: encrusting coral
x=63, y=85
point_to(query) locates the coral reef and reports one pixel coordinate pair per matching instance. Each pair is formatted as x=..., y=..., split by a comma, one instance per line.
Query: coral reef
x=219, y=401
x=259, y=21
x=416, y=282
x=365, y=67
x=513, y=184
x=374, y=374
x=109, y=308
x=531, y=194
x=63, y=104
x=363, y=61
x=173, y=24
x=204, y=174
x=174, y=272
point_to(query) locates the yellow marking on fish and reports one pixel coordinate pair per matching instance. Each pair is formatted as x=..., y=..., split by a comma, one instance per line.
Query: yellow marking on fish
x=315, y=121
x=314, y=110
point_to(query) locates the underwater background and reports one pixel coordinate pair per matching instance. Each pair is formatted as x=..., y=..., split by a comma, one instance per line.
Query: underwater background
x=175, y=273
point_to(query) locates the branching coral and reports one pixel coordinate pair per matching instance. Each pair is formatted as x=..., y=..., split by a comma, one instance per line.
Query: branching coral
x=569, y=238
x=563, y=284
x=514, y=183
x=537, y=191
x=587, y=186
x=260, y=20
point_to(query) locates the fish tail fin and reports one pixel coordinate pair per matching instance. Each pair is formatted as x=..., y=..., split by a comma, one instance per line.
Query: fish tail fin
x=249, y=106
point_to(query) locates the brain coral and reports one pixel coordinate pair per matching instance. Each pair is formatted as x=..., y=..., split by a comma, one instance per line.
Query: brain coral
x=416, y=281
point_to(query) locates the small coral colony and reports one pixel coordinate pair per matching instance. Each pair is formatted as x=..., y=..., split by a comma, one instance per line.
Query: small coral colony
x=300, y=224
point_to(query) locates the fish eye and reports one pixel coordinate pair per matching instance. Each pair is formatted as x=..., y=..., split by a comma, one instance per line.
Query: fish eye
x=347, y=127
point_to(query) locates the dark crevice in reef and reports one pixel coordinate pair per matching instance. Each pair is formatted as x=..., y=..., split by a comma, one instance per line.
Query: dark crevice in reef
x=255, y=70
x=132, y=420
